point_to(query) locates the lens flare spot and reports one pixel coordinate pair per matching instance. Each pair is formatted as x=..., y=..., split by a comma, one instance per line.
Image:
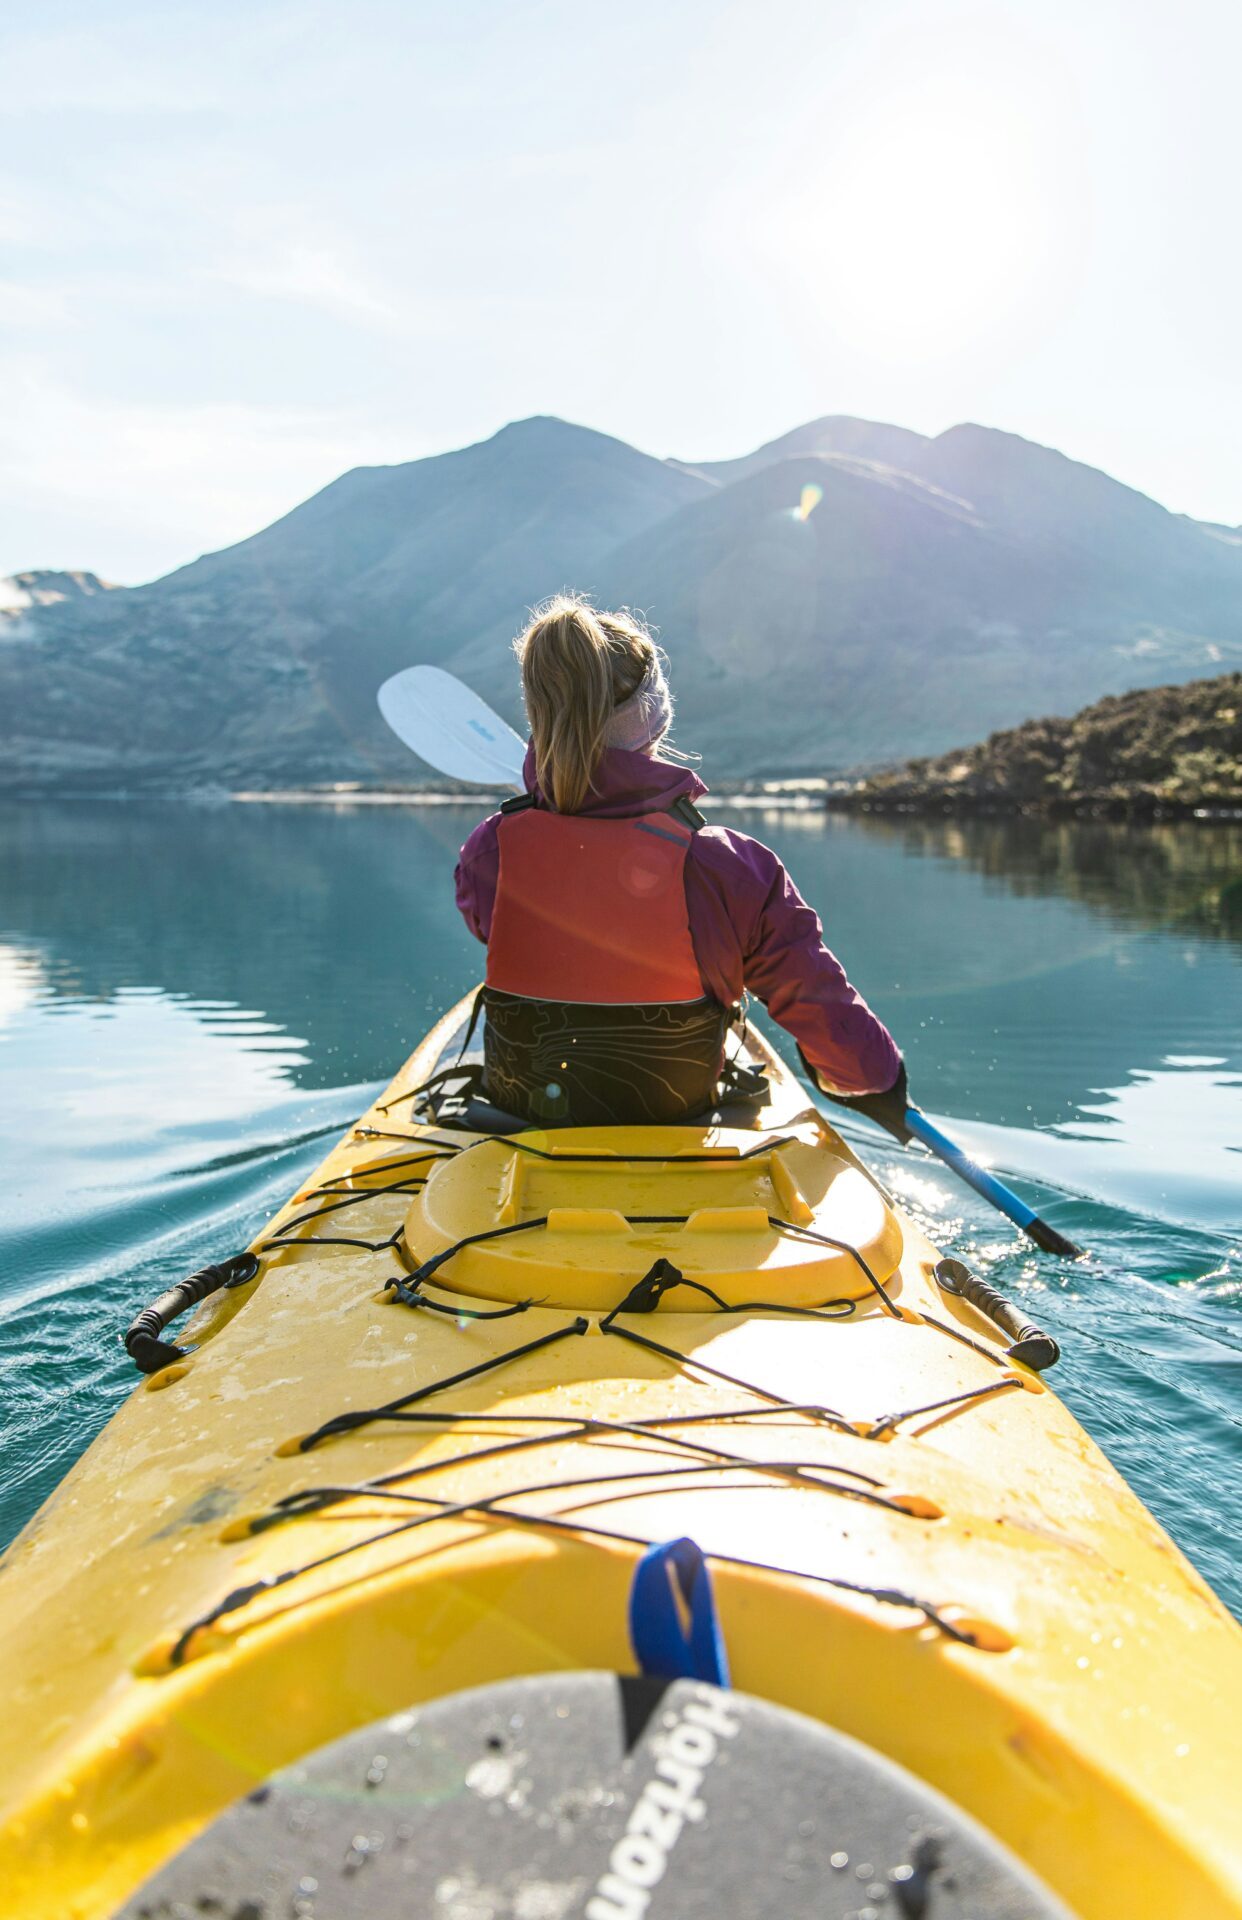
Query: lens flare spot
x=811, y=497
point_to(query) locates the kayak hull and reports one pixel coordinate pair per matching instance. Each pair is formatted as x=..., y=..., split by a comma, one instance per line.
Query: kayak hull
x=911, y=1538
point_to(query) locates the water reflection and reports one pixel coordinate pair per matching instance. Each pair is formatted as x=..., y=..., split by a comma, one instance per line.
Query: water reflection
x=316, y=917
x=1173, y=874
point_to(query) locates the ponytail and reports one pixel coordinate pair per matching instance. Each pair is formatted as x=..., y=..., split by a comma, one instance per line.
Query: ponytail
x=578, y=665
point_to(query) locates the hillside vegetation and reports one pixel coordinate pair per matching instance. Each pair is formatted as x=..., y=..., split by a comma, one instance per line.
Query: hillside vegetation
x=1173, y=749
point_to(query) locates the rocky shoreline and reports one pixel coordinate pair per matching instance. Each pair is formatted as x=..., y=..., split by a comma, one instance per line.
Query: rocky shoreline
x=1136, y=807
x=1159, y=753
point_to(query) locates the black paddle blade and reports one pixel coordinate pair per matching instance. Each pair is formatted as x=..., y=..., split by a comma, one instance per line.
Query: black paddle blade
x=1050, y=1241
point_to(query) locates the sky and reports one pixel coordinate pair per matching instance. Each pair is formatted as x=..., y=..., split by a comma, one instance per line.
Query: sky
x=246, y=245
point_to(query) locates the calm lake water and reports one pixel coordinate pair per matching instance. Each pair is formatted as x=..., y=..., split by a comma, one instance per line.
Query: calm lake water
x=193, y=1001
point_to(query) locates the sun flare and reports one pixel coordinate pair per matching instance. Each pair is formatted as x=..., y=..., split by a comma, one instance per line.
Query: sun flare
x=930, y=224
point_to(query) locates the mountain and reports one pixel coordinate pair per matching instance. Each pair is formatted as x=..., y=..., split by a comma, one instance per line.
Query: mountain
x=988, y=577
x=259, y=664
x=42, y=587
x=835, y=433
x=1176, y=748
x=850, y=593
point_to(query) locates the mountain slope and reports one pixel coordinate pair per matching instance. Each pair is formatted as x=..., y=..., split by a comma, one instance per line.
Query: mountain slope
x=1035, y=493
x=834, y=433
x=260, y=662
x=939, y=588
x=902, y=604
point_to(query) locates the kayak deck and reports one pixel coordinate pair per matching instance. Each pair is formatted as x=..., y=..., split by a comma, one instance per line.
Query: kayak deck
x=363, y=1490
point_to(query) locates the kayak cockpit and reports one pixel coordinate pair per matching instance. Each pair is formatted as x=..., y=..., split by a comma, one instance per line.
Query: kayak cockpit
x=707, y=1216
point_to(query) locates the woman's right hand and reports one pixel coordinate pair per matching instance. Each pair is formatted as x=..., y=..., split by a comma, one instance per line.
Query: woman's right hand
x=887, y=1109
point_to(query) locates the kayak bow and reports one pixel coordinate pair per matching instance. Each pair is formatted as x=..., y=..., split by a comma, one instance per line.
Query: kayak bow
x=472, y=1378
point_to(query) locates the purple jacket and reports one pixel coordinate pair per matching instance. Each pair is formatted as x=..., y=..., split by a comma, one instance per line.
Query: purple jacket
x=750, y=926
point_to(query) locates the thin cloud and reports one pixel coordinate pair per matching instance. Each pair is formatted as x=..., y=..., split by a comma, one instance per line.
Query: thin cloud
x=24, y=305
x=150, y=480
x=307, y=275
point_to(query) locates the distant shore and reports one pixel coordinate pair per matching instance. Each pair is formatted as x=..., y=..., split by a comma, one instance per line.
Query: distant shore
x=797, y=797
x=1139, y=808
x=348, y=796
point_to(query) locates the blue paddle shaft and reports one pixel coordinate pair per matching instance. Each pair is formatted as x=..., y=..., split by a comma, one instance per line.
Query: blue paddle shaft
x=969, y=1170
x=993, y=1190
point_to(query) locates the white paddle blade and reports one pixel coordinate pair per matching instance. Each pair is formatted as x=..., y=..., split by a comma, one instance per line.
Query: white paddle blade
x=448, y=726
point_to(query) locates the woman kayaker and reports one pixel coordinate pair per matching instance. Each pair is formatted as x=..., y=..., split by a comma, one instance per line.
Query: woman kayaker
x=622, y=932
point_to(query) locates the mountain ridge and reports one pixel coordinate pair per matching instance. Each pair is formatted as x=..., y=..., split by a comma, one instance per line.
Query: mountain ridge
x=979, y=579
x=43, y=586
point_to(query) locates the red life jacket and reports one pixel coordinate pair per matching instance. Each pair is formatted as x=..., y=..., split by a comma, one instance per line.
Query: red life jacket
x=596, y=1013
x=592, y=911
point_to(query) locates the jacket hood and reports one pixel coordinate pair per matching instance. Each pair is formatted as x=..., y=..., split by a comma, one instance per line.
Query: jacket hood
x=627, y=783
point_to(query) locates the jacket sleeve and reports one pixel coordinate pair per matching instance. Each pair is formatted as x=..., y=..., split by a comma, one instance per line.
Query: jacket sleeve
x=803, y=986
x=478, y=870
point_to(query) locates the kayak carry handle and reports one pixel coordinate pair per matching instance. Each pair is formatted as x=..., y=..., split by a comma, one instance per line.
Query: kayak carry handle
x=142, y=1342
x=1032, y=1347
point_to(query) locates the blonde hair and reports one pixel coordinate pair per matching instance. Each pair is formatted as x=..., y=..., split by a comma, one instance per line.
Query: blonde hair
x=578, y=664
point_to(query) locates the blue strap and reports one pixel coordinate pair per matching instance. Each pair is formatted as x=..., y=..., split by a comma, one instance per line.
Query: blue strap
x=673, y=1626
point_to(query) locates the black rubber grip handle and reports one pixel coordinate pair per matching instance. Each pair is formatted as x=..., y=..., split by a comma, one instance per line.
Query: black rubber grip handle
x=1031, y=1347
x=142, y=1342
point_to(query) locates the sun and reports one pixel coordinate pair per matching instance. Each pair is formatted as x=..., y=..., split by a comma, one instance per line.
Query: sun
x=928, y=224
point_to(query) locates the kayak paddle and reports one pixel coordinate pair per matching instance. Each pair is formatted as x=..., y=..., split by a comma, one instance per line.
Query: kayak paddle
x=1001, y=1197
x=446, y=724
x=915, y=1125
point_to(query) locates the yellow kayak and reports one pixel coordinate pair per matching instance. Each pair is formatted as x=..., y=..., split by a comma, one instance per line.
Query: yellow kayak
x=421, y=1441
